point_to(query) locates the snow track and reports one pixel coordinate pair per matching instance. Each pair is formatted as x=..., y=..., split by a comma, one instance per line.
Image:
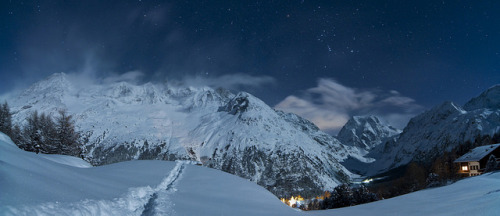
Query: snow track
x=144, y=201
x=159, y=203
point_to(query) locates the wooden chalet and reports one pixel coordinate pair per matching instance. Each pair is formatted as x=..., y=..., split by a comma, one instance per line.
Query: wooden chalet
x=474, y=162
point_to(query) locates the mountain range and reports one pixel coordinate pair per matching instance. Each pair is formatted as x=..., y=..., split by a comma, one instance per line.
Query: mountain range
x=433, y=132
x=236, y=133
x=240, y=134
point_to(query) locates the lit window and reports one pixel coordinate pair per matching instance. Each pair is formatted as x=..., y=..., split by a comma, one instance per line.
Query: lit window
x=465, y=168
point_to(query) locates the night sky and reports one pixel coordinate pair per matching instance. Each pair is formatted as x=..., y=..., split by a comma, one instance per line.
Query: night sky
x=324, y=60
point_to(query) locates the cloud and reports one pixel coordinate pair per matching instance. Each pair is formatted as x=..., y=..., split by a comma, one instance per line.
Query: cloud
x=130, y=77
x=330, y=105
x=236, y=81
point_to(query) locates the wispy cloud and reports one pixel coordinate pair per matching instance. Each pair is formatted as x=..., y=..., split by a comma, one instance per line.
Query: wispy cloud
x=236, y=81
x=130, y=77
x=330, y=105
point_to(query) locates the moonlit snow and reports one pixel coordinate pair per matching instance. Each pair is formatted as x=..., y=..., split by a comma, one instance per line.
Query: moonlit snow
x=60, y=185
x=34, y=184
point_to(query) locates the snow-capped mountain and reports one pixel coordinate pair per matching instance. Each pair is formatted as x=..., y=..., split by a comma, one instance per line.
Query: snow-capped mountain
x=238, y=134
x=440, y=129
x=365, y=132
x=490, y=99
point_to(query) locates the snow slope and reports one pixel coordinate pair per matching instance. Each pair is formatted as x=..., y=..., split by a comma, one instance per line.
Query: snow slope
x=236, y=133
x=34, y=185
x=478, y=195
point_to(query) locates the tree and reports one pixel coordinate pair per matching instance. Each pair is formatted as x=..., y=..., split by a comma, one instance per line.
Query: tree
x=42, y=134
x=17, y=136
x=433, y=180
x=491, y=165
x=314, y=205
x=48, y=134
x=415, y=177
x=31, y=133
x=5, y=119
x=362, y=195
x=342, y=196
x=67, y=138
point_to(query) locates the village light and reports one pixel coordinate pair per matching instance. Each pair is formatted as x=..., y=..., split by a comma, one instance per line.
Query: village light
x=292, y=201
x=297, y=201
x=464, y=168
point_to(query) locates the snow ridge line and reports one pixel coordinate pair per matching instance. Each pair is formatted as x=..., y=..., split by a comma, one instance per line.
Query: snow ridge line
x=134, y=202
x=159, y=201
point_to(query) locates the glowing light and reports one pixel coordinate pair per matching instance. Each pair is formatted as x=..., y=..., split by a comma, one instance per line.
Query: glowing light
x=366, y=181
x=292, y=201
x=298, y=200
x=465, y=168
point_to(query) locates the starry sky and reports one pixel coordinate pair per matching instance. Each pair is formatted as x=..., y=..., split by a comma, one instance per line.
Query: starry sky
x=324, y=60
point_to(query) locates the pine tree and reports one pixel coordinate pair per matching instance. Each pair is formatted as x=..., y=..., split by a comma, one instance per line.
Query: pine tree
x=5, y=119
x=32, y=140
x=67, y=138
x=17, y=136
x=362, y=195
x=491, y=165
x=342, y=196
x=48, y=134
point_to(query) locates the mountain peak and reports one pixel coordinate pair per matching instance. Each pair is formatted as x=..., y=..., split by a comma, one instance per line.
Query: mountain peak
x=51, y=90
x=489, y=99
x=246, y=106
x=448, y=106
x=363, y=119
x=54, y=81
x=365, y=132
x=436, y=114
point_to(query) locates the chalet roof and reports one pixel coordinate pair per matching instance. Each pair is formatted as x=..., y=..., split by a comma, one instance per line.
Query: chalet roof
x=477, y=153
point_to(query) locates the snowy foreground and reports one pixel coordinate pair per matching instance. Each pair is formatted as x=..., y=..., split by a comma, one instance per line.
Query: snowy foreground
x=34, y=184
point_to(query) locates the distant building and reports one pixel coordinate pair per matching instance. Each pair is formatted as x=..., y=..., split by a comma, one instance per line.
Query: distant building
x=474, y=162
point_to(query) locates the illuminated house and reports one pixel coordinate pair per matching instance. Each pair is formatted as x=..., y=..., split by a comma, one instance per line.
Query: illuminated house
x=474, y=162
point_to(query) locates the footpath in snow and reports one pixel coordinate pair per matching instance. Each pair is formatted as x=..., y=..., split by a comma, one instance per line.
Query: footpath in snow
x=159, y=202
x=137, y=201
